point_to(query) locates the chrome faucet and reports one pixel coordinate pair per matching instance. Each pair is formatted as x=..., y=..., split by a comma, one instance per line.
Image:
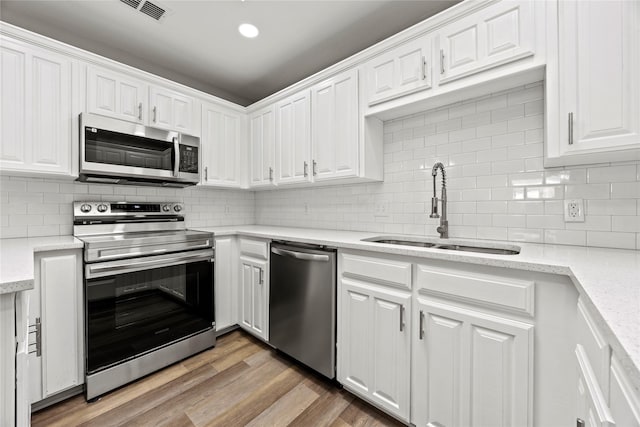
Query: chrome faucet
x=443, y=229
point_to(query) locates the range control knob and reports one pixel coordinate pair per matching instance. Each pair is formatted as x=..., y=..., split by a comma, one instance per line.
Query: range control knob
x=102, y=207
x=177, y=208
x=166, y=208
x=85, y=207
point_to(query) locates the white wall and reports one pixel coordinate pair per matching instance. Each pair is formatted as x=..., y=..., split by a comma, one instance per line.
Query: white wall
x=43, y=207
x=492, y=148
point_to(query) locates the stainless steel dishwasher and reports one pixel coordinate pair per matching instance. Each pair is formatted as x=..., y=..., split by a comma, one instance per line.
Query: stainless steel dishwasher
x=302, y=304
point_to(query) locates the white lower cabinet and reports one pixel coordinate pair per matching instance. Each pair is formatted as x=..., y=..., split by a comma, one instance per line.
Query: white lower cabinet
x=470, y=368
x=225, y=280
x=56, y=353
x=254, y=287
x=374, y=344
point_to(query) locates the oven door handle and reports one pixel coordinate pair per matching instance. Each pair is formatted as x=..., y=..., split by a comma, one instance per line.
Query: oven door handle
x=112, y=268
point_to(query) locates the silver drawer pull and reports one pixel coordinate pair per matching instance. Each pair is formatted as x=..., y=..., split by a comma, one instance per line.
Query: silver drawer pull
x=421, y=333
x=401, y=318
x=570, y=128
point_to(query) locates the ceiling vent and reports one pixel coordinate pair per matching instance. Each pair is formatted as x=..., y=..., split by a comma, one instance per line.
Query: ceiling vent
x=148, y=8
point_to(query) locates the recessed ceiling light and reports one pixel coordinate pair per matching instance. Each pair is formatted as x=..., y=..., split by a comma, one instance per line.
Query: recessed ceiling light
x=248, y=30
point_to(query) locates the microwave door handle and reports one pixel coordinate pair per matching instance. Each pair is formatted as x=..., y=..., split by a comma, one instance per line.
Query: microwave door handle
x=176, y=154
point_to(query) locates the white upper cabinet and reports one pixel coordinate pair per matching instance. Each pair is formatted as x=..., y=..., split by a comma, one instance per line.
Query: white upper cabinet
x=498, y=34
x=36, y=109
x=116, y=95
x=598, y=119
x=171, y=110
x=261, y=150
x=335, y=120
x=403, y=70
x=293, y=139
x=222, y=145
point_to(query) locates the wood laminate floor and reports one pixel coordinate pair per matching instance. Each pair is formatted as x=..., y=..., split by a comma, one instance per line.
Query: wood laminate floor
x=240, y=382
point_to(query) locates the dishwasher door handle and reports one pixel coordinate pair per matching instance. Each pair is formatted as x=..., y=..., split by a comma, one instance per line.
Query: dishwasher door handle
x=300, y=255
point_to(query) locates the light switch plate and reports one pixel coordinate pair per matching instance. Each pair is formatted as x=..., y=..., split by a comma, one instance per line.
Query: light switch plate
x=573, y=210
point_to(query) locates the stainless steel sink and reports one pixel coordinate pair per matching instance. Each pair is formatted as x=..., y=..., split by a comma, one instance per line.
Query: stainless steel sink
x=402, y=242
x=504, y=250
x=480, y=249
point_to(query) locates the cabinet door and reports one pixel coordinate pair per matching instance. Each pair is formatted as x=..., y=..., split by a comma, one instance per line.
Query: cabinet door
x=260, y=299
x=262, y=136
x=499, y=34
x=255, y=297
x=56, y=301
x=401, y=71
x=293, y=139
x=471, y=368
x=221, y=146
x=335, y=138
x=171, y=110
x=115, y=95
x=36, y=109
x=226, y=293
x=374, y=342
x=599, y=64
x=592, y=405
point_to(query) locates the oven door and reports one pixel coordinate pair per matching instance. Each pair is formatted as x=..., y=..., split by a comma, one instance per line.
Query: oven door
x=134, y=306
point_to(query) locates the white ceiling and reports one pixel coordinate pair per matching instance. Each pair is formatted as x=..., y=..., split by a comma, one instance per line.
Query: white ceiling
x=198, y=44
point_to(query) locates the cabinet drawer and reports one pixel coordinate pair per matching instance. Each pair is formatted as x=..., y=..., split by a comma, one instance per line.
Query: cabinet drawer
x=377, y=269
x=254, y=248
x=625, y=403
x=595, y=346
x=501, y=292
x=592, y=404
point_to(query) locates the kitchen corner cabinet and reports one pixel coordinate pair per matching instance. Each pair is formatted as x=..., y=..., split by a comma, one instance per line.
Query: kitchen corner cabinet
x=495, y=35
x=254, y=287
x=374, y=332
x=593, y=78
x=400, y=71
x=56, y=324
x=293, y=139
x=225, y=282
x=604, y=395
x=172, y=110
x=262, y=147
x=223, y=151
x=336, y=140
x=116, y=95
x=36, y=130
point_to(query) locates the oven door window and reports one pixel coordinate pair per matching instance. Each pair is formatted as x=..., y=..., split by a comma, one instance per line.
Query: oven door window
x=113, y=148
x=130, y=314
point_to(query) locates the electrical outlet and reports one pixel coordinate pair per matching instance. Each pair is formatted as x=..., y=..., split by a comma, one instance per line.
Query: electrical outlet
x=227, y=209
x=382, y=209
x=574, y=210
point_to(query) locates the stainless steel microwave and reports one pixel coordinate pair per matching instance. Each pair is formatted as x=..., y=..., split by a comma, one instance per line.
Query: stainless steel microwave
x=119, y=152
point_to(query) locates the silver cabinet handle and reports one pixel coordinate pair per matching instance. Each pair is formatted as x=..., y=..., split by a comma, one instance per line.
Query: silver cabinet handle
x=579, y=422
x=315, y=168
x=155, y=114
x=424, y=68
x=300, y=255
x=206, y=173
x=441, y=61
x=37, y=330
x=570, y=128
x=435, y=424
x=261, y=277
x=306, y=169
x=402, y=318
x=270, y=173
x=421, y=333
x=140, y=111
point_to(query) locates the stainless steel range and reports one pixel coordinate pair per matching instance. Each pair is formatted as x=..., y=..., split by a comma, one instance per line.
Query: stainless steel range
x=149, y=291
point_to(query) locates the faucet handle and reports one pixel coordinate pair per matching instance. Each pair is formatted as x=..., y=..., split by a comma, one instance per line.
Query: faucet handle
x=434, y=208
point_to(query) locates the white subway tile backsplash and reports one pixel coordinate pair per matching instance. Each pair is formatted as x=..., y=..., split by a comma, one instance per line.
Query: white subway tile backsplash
x=611, y=240
x=625, y=190
x=608, y=174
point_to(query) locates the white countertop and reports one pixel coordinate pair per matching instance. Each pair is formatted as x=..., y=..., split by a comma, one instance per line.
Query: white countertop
x=16, y=259
x=607, y=279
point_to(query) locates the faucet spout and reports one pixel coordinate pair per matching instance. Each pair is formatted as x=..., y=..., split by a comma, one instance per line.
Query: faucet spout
x=443, y=229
